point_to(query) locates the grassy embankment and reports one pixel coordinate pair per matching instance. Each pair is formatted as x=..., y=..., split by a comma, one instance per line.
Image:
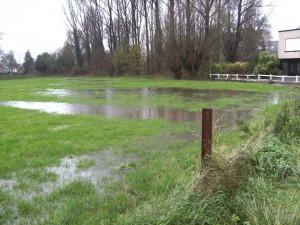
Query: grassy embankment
x=250, y=181
x=257, y=183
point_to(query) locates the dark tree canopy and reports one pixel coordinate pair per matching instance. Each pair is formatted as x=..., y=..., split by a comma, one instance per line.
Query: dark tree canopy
x=65, y=59
x=28, y=65
x=183, y=36
x=46, y=63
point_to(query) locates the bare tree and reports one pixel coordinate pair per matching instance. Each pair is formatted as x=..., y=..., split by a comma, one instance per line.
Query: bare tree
x=172, y=49
x=158, y=37
x=243, y=12
x=147, y=36
x=9, y=62
x=184, y=36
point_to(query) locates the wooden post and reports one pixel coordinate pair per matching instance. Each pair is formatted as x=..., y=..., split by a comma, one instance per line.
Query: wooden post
x=207, y=115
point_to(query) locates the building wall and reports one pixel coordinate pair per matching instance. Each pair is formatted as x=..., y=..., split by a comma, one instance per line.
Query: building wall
x=288, y=38
x=290, y=67
x=289, y=51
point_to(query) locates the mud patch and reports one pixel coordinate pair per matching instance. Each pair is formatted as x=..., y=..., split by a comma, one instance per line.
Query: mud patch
x=104, y=165
x=8, y=184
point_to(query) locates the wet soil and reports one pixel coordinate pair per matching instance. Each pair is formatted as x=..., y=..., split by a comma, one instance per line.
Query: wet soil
x=105, y=163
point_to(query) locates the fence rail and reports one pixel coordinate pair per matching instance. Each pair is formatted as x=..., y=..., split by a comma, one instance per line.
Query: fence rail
x=259, y=77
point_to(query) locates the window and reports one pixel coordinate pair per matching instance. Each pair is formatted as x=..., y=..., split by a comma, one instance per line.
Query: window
x=292, y=44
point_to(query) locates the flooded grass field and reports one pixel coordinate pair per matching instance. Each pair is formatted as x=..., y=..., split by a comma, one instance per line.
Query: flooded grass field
x=75, y=150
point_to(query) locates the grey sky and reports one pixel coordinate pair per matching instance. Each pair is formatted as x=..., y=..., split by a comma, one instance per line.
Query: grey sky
x=39, y=25
x=285, y=16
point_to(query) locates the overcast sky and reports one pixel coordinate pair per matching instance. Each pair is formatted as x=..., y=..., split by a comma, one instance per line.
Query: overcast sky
x=285, y=16
x=39, y=25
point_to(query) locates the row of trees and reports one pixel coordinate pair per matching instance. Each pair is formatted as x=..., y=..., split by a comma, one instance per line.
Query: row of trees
x=62, y=61
x=151, y=36
x=136, y=37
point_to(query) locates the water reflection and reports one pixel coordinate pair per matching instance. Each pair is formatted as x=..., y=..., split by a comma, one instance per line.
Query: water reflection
x=276, y=98
x=221, y=116
x=188, y=95
x=206, y=95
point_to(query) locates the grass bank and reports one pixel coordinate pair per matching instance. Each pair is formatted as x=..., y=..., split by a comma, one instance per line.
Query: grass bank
x=257, y=183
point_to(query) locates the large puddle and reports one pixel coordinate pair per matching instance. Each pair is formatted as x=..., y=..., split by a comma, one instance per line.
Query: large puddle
x=206, y=95
x=225, y=116
x=110, y=111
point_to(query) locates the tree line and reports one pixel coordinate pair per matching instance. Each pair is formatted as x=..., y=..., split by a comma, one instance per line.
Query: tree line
x=189, y=38
x=185, y=37
x=60, y=62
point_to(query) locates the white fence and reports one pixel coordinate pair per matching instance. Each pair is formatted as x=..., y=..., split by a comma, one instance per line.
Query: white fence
x=259, y=77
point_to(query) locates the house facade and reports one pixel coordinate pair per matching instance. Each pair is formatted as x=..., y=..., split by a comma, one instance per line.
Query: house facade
x=289, y=51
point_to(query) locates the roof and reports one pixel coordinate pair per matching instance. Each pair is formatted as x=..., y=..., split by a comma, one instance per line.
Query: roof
x=289, y=30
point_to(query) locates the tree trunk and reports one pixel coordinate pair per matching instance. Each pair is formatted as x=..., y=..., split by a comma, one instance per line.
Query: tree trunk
x=173, y=54
x=147, y=39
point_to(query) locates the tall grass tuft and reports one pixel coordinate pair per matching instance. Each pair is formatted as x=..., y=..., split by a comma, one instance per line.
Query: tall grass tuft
x=286, y=124
x=273, y=159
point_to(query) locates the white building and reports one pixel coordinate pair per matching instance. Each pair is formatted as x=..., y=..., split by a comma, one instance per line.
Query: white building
x=289, y=51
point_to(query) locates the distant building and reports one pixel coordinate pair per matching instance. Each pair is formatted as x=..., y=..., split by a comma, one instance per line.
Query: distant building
x=272, y=46
x=289, y=51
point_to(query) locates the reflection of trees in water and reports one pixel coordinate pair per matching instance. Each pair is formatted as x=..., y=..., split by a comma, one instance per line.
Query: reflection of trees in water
x=144, y=93
x=222, y=117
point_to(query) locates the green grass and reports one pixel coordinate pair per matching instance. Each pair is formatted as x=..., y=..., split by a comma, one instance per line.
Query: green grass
x=256, y=184
x=28, y=142
x=253, y=177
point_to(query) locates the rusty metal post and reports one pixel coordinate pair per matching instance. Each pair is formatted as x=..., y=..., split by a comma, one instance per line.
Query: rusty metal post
x=207, y=115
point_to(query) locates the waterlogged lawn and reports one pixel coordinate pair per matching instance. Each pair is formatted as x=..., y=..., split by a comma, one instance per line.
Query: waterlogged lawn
x=155, y=187
x=33, y=141
x=30, y=139
x=135, y=92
